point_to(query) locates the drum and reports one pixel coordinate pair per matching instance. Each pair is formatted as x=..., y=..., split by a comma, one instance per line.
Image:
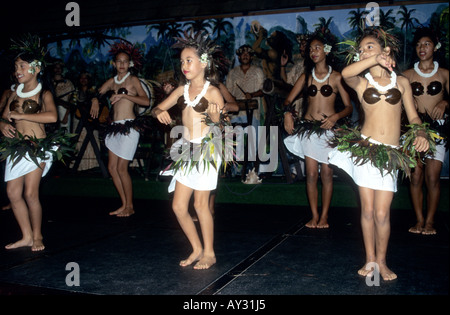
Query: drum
x=251, y=103
x=148, y=86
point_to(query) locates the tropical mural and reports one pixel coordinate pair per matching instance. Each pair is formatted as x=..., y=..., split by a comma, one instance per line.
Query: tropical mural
x=89, y=50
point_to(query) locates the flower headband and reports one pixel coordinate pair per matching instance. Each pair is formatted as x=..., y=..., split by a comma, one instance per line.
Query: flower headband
x=245, y=49
x=136, y=55
x=31, y=45
x=206, y=48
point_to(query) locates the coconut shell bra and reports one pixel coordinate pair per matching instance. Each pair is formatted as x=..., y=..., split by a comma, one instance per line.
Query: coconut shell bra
x=372, y=96
x=29, y=106
x=326, y=90
x=433, y=88
x=199, y=108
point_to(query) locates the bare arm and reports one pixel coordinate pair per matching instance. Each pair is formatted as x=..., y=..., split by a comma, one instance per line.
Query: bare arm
x=95, y=105
x=230, y=101
x=420, y=142
x=160, y=111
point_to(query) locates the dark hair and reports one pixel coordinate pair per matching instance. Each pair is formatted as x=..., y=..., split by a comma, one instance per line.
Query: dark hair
x=245, y=48
x=29, y=57
x=425, y=32
x=383, y=38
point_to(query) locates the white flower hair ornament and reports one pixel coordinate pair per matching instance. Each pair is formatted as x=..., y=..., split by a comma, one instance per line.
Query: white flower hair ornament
x=131, y=64
x=356, y=57
x=438, y=45
x=204, y=58
x=326, y=48
x=33, y=65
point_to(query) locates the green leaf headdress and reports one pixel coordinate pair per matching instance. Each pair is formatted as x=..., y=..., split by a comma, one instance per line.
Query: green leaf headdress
x=30, y=49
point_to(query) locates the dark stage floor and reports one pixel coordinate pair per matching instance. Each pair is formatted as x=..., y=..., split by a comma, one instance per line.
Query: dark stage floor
x=262, y=250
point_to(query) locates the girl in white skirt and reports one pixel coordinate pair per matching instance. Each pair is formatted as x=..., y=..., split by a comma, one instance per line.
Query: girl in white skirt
x=381, y=93
x=122, y=137
x=322, y=85
x=30, y=108
x=195, y=98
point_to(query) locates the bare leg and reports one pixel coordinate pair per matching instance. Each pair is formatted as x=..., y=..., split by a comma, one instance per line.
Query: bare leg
x=416, y=191
x=212, y=200
x=201, y=205
x=326, y=175
x=14, y=190
x=31, y=194
x=312, y=176
x=127, y=187
x=433, y=183
x=113, y=161
x=180, y=205
x=383, y=200
x=28, y=213
x=368, y=226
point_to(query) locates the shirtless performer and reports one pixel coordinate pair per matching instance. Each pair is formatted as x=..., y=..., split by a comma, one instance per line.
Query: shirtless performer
x=30, y=107
x=123, y=139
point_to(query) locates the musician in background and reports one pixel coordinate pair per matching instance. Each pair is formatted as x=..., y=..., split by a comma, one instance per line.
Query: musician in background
x=246, y=82
x=63, y=89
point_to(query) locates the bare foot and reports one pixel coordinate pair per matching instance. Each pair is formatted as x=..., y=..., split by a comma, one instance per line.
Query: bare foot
x=365, y=271
x=323, y=224
x=38, y=245
x=311, y=224
x=191, y=259
x=20, y=243
x=386, y=273
x=429, y=229
x=126, y=212
x=416, y=229
x=206, y=262
x=117, y=211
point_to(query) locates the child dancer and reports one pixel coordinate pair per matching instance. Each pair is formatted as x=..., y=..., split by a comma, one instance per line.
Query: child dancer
x=310, y=142
x=428, y=82
x=196, y=97
x=122, y=137
x=29, y=107
x=381, y=93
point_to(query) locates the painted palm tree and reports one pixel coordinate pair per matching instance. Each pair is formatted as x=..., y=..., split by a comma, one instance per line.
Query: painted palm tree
x=161, y=28
x=356, y=20
x=323, y=23
x=220, y=26
x=198, y=25
x=303, y=29
x=174, y=29
x=407, y=23
x=387, y=21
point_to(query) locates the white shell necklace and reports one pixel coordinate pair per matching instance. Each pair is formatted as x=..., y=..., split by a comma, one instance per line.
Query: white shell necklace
x=325, y=78
x=31, y=93
x=197, y=99
x=379, y=87
x=426, y=75
x=121, y=80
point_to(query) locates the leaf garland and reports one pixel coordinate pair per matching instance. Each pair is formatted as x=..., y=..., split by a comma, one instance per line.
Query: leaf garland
x=140, y=123
x=408, y=137
x=383, y=157
x=208, y=150
x=30, y=147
